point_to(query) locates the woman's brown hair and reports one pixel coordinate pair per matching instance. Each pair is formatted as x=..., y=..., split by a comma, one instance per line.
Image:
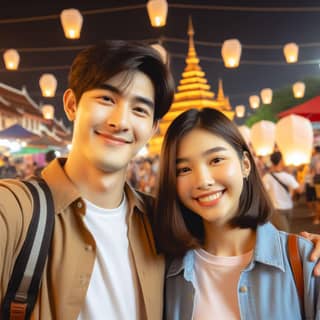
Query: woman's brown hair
x=177, y=229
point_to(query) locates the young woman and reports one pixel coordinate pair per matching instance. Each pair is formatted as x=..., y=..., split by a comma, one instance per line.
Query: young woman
x=227, y=260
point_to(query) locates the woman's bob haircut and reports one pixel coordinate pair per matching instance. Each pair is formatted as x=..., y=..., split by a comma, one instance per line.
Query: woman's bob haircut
x=177, y=229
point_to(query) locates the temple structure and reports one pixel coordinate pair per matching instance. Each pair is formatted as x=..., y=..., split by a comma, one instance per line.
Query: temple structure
x=193, y=92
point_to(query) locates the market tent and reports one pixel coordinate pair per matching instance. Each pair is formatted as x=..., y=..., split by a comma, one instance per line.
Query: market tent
x=309, y=109
x=46, y=141
x=17, y=132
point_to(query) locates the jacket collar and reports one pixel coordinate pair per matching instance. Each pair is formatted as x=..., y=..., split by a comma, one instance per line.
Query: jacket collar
x=267, y=251
x=55, y=177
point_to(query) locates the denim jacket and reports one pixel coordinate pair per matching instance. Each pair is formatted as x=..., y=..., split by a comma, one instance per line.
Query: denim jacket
x=266, y=288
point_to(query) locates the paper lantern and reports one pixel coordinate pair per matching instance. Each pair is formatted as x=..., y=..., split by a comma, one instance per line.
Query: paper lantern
x=157, y=11
x=48, y=84
x=262, y=136
x=266, y=95
x=71, y=20
x=291, y=51
x=48, y=111
x=245, y=132
x=298, y=89
x=254, y=102
x=162, y=51
x=11, y=59
x=231, y=53
x=294, y=137
x=240, y=110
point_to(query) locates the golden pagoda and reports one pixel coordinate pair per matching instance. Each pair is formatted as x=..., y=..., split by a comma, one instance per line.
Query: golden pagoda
x=192, y=92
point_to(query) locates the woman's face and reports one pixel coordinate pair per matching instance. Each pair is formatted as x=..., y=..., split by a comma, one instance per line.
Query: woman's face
x=210, y=176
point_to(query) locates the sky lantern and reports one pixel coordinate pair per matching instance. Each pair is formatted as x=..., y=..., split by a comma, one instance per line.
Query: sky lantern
x=240, y=110
x=245, y=132
x=162, y=51
x=254, y=102
x=291, y=52
x=48, y=111
x=262, y=136
x=231, y=53
x=71, y=20
x=48, y=84
x=11, y=59
x=266, y=95
x=294, y=137
x=157, y=11
x=298, y=89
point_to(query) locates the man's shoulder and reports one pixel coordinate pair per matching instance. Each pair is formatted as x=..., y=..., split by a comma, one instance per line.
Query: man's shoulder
x=14, y=197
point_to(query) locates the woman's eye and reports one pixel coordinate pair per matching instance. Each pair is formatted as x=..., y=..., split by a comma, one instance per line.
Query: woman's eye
x=182, y=171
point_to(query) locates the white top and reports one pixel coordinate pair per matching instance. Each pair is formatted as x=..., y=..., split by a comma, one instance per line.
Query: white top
x=281, y=199
x=216, y=285
x=113, y=291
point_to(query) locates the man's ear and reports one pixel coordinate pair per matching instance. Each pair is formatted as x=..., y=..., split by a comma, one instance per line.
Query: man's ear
x=155, y=127
x=70, y=104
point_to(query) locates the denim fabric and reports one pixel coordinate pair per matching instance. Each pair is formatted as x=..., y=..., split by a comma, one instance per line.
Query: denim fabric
x=266, y=288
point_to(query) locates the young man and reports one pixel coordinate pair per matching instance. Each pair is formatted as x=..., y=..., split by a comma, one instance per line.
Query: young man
x=103, y=263
x=281, y=186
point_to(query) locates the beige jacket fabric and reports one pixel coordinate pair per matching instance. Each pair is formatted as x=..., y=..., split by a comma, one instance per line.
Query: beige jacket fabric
x=70, y=264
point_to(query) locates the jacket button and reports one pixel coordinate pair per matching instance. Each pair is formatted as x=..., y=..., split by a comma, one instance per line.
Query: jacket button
x=243, y=289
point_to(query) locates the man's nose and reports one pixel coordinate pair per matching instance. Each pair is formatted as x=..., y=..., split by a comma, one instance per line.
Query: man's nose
x=119, y=117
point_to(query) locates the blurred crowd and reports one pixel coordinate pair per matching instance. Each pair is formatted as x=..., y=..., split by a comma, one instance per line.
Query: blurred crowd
x=22, y=168
x=284, y=184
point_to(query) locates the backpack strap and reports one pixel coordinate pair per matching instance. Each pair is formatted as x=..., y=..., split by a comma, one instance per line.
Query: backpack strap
x=26, y=276
x=296, y=266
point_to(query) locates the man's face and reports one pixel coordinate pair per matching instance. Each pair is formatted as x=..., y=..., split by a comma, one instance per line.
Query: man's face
x=113, y=122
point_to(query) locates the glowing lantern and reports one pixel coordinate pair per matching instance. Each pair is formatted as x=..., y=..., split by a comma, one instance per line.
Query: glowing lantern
x=71, y=20
x=294, y=137
x=245, y=132
x=298, y=89
x=231, y=53
x=48, y=111
x=291, y=51
x=11, y=59
x=157, y=11
x=240, y=110
x=162, y=51
x=266, y=95
x=262, y=137
x=254, y=102
x=48, y=84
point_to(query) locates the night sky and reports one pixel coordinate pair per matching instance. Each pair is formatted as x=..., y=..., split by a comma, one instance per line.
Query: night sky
x=259, y=68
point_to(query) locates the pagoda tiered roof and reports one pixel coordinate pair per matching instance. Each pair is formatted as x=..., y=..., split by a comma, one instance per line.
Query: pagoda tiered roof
x=193, y=91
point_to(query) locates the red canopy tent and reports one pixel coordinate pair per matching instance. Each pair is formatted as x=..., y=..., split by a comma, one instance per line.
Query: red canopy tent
x=309, y=109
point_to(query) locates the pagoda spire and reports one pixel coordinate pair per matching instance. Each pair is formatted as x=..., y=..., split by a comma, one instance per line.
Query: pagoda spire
x=192, y=60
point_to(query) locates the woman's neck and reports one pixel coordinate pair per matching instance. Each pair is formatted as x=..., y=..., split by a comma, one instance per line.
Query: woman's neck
x=228, y=241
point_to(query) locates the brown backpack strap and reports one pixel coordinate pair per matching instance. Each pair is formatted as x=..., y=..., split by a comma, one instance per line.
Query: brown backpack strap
x=296, y=266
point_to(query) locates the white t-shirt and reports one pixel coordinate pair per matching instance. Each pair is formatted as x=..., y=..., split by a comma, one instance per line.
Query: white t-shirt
x=113, y=291
x=281, y=199
x=217, y=280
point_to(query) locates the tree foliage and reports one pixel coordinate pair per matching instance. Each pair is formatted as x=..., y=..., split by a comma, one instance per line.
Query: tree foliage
x=282, y=100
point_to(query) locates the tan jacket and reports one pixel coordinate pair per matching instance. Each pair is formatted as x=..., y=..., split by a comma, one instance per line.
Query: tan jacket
x=71, y=259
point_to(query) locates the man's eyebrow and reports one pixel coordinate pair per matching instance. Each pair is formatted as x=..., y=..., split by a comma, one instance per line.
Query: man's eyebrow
x=116, y=90
x=205, y=153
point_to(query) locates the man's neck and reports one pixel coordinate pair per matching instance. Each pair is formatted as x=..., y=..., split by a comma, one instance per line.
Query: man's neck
x=102, y=189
